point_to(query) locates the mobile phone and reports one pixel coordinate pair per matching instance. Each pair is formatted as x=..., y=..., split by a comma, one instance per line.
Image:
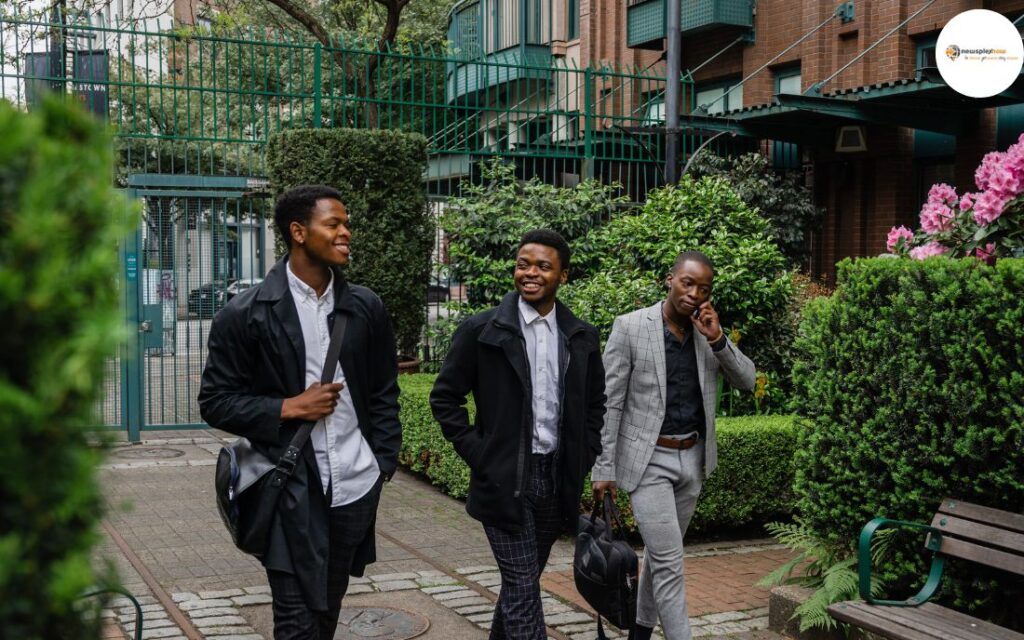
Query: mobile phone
x=696, y=313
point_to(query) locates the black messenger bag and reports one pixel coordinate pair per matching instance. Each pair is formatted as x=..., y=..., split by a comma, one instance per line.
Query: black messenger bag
x=605, y=567
x=248, y=484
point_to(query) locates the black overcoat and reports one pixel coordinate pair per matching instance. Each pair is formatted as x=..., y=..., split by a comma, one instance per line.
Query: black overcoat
x=256, y=359
x=488, y=359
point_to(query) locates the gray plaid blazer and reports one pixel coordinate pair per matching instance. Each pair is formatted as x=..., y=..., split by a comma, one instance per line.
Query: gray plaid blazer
x=634, y=365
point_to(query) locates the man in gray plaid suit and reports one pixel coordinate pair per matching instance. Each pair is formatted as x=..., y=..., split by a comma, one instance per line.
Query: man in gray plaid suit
x=661, y=377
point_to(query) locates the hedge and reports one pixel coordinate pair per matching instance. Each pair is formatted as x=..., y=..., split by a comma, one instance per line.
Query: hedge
x=911, y=377
x=380, y=176
x=750, y=486
x=60, y=224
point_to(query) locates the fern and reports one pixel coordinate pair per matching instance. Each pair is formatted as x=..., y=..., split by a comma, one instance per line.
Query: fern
x=830, y=570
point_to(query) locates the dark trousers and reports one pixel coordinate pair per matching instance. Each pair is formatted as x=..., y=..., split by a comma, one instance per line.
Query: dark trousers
x=293, y=619
x=521, y=557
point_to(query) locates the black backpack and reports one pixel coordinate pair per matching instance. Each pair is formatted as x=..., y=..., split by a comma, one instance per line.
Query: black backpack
x=605, y=567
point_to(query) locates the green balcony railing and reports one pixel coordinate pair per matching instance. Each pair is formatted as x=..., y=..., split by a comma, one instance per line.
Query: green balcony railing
x=645, y=19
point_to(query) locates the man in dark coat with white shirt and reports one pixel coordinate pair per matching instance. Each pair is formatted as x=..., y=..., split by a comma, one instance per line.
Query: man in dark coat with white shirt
x=538, y=384
x=262, y=381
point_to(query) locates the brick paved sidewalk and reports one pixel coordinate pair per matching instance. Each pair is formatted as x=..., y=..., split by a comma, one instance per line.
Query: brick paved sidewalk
x=163, y=533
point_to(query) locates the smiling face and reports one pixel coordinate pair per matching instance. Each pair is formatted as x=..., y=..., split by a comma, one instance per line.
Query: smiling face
x=325, y=238
x=538, y=275
x=689, y=286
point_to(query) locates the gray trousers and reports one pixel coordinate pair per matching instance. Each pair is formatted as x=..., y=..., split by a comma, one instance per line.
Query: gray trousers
x=663, y=504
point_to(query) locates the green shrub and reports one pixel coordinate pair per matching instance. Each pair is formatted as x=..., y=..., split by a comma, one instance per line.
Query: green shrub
x=60, y=223
x=780, y=197
x=753, y=291
x=751, y=484
x=911, y=380
x=379, y=174
x=485, y=224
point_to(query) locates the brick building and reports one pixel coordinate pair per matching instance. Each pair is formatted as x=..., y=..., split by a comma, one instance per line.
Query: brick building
x=870, y=140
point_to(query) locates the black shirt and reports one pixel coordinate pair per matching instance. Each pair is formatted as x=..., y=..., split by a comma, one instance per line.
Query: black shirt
x=684, y=403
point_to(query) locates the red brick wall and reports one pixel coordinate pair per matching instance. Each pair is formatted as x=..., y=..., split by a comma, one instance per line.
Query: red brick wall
x=863, y=194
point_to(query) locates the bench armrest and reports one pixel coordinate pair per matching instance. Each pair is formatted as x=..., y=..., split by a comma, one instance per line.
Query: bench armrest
x=864, y=562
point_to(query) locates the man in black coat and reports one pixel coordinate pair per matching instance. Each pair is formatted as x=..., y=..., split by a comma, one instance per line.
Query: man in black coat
x=262, y=381
x=538, y=384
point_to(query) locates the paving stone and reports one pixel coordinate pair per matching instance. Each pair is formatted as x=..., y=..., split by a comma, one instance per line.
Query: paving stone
x=192, y=605
x=488, y=582
x=244, y=636
x=261, y=598
x=432, y=573
x=354, y=580
x=567, y=618
x=757, y=613
x=443, y=589
x=475, y=608
x=357, y=589
x=436, y=581
x=700, y=632
x=495, y=588
x=263, y=588
x=554, y=608
x=228, y=593
x=484, y=625
x=397, y=585
x=698, y=622
x=757, y=623
x=146, y=608
x=199, y=614
x=579, y=627
x=118, y=603
x=726, y=627
x=183, y=596
x=592, y=634
x=462, y=602
x=219, y=621
x=214, y=632
x=392, y=577
x=476, y=569
x=162, y=632
x=454, y=594
x=489, y=575
x=726, y=616
x=480, y=617
x=151, y=624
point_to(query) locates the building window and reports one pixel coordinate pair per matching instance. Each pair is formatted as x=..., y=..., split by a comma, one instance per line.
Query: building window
x=788, y=80
x=572, y=19
x=719, y=97
x=924, y=57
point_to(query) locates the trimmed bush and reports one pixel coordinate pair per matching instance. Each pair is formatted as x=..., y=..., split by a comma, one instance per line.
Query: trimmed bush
x=911, y=380
x=60, y=223
x=380, y=176
x=750, y=486
x=753, y=290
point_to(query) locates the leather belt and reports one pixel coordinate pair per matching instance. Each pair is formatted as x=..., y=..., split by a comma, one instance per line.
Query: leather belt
x=676, y=443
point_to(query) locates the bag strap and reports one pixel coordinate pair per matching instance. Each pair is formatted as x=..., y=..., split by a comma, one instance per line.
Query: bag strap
x=613, y=517
x=286, y=465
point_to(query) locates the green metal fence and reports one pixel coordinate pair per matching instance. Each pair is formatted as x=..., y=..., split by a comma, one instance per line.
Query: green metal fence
x=193, y=109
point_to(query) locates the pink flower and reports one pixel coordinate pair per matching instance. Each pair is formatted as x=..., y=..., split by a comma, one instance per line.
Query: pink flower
x=989, y=164
x=1004, y=182
x=935, y=217
x=988, y=207
x=942, y=193
x=967, y=201
x=896, y=234
x=986, y=253
x=928, y=250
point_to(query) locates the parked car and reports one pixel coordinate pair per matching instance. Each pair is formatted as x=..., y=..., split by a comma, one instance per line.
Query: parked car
x=207, y=299
x=238, y=286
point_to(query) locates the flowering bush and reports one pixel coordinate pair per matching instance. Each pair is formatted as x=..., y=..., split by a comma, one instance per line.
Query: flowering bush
x=986, y=224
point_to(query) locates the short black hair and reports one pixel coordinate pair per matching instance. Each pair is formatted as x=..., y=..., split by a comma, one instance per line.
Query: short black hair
x=297, y=204
x=696, y=256
x=548, y=238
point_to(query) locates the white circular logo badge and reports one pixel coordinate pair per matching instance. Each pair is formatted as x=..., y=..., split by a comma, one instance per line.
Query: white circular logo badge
x=979, y=53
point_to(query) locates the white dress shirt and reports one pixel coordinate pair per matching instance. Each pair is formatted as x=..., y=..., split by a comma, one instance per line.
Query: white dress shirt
x=343, y=457
x=541, y=333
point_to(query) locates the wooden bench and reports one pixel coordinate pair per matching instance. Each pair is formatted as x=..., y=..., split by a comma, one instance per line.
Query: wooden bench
x=959, y=530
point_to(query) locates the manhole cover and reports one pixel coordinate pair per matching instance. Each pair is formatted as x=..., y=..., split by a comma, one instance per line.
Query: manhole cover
x=383, y=623
x=148, y=453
